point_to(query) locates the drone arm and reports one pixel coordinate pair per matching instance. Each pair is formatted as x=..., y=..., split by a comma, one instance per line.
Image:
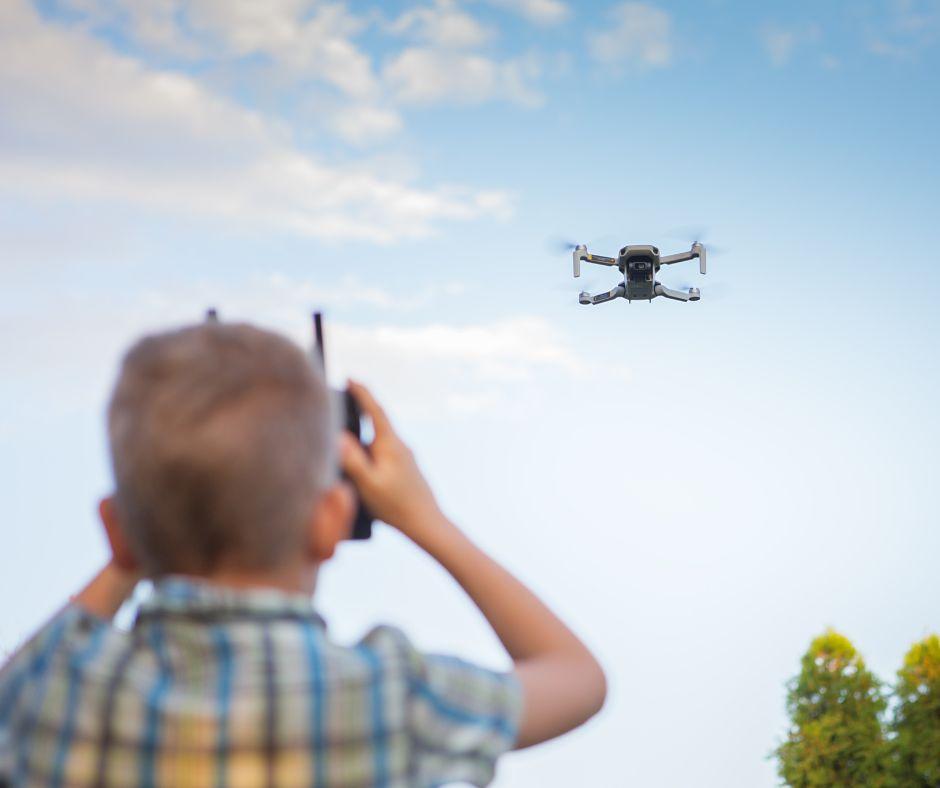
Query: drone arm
x=669, y=259
x=676, y=295
x=600, y=298
x=697, y=250
x=581, y=253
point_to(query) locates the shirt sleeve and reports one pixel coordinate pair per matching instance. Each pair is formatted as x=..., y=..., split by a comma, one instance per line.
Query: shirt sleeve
x=31, y=663
x=33, y=656
x=461, y=717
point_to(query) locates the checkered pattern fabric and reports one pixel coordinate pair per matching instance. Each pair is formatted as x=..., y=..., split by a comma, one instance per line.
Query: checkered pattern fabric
x=216, y=687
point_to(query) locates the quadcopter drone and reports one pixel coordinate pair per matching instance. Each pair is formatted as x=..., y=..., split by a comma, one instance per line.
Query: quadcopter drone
x=639, y=265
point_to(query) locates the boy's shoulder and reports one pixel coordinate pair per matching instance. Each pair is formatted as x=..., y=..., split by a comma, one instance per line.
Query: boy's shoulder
x=438, y=718
x=38, y=652
x=387, y=654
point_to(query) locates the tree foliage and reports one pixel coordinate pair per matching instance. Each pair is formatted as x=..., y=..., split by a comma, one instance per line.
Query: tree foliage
x=835, y=705
x=916, y=724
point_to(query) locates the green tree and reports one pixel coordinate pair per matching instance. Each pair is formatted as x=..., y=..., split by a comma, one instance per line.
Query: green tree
x=916, y=724
x=835, y=706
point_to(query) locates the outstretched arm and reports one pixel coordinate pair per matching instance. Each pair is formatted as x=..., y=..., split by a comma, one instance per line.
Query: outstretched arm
x=102, y=597
x=563, y=684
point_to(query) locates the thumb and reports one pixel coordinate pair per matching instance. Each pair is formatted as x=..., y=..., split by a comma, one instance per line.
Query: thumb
x=353, y=457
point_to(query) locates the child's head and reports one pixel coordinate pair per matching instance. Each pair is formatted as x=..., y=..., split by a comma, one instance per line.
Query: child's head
x=224, y=455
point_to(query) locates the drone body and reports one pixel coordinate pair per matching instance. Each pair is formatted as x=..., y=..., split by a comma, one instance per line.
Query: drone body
x=639, y=265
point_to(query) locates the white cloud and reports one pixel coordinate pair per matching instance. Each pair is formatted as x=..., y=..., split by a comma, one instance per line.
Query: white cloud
x=446, y=66
x=464, y=404
x=301, y=38
x=638, y=33
x=903, y=28
x=349, y=292
x=304, y=49
x=510, y=349
x=443, y=24
x=364, y=123
x=424, y=75
x=306, y=38
x=288, y=47
x=542, y=12
x=153, y=23
x=460, y=368
x=499, y=365
x=79, y=121
x=780, y=42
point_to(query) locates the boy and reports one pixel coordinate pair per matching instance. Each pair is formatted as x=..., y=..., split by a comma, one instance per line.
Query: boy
x=228, y=496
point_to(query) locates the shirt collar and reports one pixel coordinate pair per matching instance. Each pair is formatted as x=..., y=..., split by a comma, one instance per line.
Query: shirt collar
x=189, y=598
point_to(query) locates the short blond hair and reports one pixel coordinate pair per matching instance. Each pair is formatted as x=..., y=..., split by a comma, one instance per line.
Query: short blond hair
x=221, y=440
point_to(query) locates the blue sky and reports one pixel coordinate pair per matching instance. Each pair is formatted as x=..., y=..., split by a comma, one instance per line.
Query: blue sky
x=698, y=488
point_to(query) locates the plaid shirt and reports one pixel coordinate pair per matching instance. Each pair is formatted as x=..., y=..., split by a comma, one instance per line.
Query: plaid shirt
x=220, y=687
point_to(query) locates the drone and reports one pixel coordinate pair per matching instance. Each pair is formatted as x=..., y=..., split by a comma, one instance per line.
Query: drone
x=639, y=265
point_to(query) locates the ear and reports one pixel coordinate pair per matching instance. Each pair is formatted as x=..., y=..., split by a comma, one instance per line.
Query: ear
x=331, y=521
x=121, y=552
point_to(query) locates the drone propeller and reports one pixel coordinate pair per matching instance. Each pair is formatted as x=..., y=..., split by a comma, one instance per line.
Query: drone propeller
x=696, y=235
x=564, y=244
x=592, y=279
x=710, y=291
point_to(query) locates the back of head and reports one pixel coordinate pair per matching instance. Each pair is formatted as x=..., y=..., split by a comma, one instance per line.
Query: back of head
x=221, y=440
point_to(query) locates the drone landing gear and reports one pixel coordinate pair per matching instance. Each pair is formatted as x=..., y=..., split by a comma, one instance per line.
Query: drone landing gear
x=600, y=298
x=693, y=293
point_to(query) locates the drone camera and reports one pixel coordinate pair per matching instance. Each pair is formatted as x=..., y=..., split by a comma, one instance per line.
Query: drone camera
x=640, y=270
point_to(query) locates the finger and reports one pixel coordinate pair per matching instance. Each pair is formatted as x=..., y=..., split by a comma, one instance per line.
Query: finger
x=353, y=458
x=380, y=421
